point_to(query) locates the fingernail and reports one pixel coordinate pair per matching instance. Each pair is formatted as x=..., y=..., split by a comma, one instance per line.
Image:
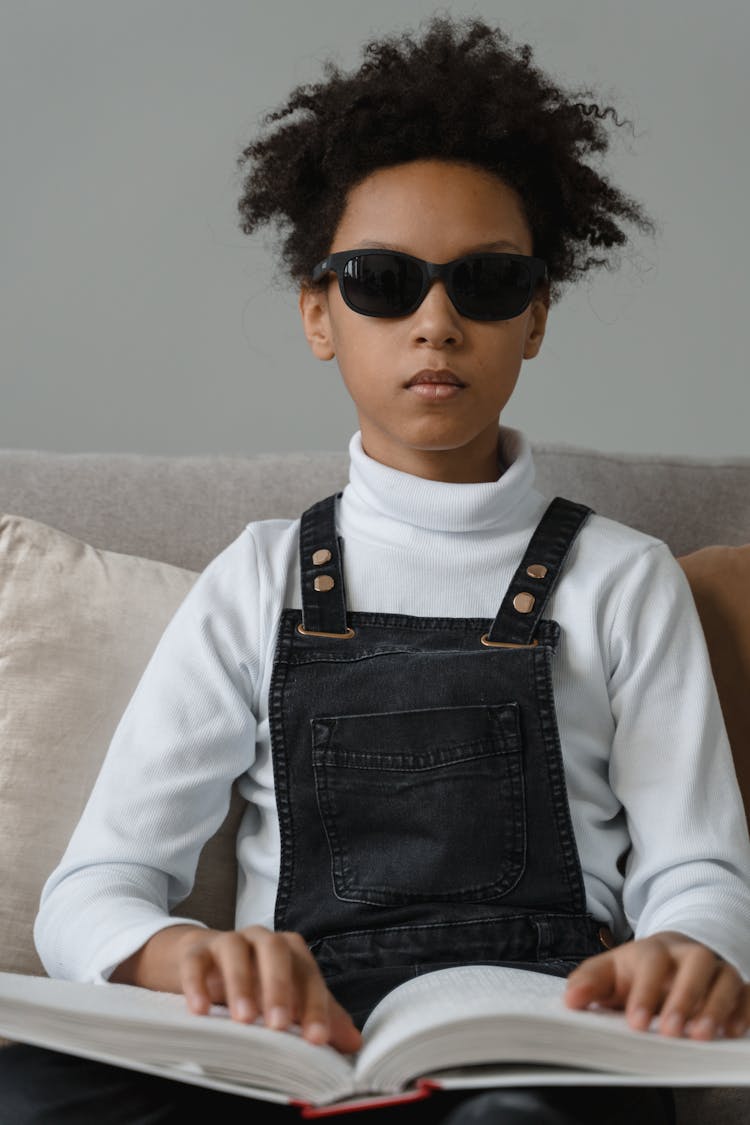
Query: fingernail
x=738, y=1027
x=641, y=1017
x=244, y=1009
x=705, y=1026
x=317, y=1031
x=673, y=1023
x=195, y=1001
x=277, y=1017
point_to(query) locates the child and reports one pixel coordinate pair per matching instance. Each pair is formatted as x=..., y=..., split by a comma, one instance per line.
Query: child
x=470, y=724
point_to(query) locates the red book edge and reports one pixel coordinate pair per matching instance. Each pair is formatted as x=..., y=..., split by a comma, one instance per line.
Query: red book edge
x=423, y=1089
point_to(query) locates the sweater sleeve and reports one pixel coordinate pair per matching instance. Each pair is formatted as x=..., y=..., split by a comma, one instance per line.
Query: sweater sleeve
x=165, y=784
x=672, y=769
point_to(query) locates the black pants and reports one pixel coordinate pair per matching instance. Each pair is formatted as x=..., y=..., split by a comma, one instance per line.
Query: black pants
x=41, y=1087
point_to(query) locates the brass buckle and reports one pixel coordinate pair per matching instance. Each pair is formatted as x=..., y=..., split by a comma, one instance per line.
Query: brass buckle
x=312, y=633
x=504, y=644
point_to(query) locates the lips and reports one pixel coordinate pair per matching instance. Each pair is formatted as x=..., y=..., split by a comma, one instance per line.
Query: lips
x=432, y=376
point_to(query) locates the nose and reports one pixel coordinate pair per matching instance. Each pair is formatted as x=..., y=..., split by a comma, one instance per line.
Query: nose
x=437, y=320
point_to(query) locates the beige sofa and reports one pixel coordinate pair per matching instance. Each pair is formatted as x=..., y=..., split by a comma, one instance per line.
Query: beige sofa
x=97, y=550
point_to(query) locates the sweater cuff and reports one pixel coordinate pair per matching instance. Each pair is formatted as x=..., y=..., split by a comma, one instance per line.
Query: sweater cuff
x=114, y=952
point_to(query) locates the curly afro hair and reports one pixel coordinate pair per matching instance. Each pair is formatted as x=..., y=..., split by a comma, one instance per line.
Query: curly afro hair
x=461, y=93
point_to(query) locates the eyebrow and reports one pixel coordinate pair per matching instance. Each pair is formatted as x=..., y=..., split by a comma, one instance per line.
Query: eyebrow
x=502, y=244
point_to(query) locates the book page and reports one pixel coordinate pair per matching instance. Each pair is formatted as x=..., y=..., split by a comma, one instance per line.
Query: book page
x=140, y=1028
x=484, y=1014
x=452, y=995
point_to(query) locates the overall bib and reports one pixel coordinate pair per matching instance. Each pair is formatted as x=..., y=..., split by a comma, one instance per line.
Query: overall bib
x=421, y=795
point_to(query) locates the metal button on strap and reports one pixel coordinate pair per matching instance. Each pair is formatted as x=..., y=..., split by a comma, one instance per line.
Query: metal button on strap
x=536, y=570
x=524, y=602
x=606, y=937
x=321, y=556
x=324, y=582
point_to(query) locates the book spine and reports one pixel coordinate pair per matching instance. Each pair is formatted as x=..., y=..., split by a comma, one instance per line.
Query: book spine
x=422, y=1090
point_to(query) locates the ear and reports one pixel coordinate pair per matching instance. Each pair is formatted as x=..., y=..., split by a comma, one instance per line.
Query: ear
x=316, y=321
x=537, y=323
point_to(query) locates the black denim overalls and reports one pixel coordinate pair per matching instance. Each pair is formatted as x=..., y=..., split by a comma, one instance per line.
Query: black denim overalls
x=419, y=780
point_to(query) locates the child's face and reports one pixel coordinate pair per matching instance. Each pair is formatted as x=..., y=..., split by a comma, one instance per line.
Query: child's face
x=437, y=211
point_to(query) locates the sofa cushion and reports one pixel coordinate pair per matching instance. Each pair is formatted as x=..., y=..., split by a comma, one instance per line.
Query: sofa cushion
x=77, y=628
x=719, y=578
x=185, y=509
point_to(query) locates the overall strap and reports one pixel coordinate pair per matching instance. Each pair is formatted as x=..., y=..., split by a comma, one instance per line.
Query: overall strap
x=321, y=572
x=532, y=584
x=322, y=575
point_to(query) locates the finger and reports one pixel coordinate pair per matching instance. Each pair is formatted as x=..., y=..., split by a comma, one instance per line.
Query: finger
x=321, y=1016
x=724, y=1009
x=215, y=985
x=235, y=961
x=691, y=987
x=595, y=979
x=194, y=967
x=311, y=995
x=739, y=1021
x=345, y=1035
x=711, y=1015
x=653, y=971
x=273, y=958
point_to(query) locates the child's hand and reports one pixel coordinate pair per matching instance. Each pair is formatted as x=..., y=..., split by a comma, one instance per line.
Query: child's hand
x=670, y=973
x=256, y=971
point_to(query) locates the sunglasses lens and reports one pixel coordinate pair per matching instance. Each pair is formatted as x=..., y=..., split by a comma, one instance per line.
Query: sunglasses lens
x=482, y=286
x=382, y=284
x=491, y=287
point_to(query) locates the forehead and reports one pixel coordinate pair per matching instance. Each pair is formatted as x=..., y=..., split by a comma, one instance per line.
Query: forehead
x=433, y=207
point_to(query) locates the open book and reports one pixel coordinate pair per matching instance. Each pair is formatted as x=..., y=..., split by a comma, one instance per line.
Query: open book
x=475, y=1025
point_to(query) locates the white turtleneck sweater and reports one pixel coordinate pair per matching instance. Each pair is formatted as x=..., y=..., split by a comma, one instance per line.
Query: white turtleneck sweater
x=646, y=756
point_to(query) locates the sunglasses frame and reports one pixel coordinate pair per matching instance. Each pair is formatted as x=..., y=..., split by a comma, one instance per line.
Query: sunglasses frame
x=430, y=271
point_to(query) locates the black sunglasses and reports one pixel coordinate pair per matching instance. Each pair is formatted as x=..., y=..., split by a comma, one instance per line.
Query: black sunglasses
x=388, y=283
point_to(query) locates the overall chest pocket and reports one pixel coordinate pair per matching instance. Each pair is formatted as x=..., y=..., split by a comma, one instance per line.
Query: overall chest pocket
x=423, y=805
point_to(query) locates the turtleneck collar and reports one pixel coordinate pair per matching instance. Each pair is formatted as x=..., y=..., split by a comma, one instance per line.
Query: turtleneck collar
x=378, y=490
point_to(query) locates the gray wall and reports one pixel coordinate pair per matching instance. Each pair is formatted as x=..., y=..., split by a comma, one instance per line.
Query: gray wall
x=135, y=316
